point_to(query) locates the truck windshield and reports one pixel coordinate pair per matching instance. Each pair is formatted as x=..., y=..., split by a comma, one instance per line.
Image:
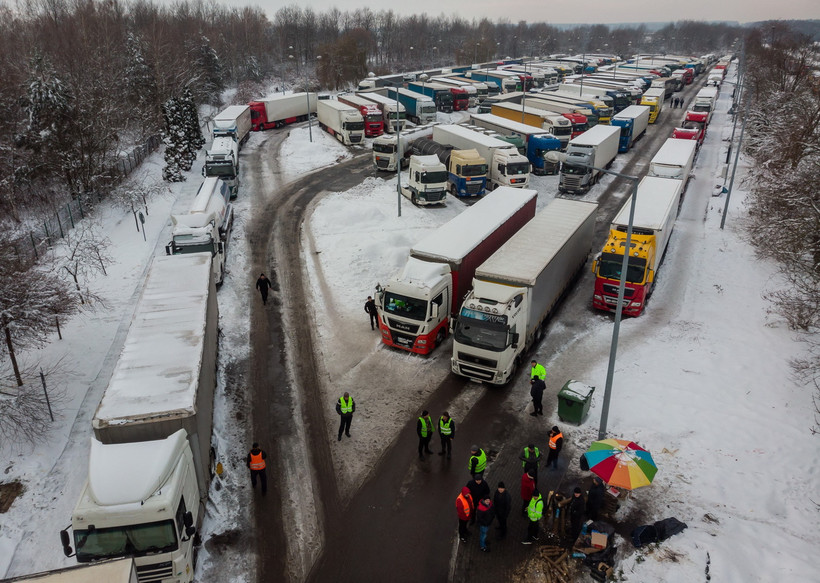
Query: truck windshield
x=609, y=267
x=561, y=131
x=433, y=177
x=518, y=168
x=374, y=117
x=474, y=170
x=568, y=168
x=384, y=148
x=132, y=540
x=481, y=330
x=412, y=308
x=353, y=126
x=224, y=169
x=702, y=107
x=428, y=108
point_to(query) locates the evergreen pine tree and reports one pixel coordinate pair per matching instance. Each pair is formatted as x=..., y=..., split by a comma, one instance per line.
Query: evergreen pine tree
x=209, y=65
x=193, y=132
x=140, y=83
x=174, y=139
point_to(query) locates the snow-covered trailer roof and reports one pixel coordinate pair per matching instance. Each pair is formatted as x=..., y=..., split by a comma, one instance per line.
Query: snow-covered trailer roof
x=168, y=353
x=522, y=259
x=656, y=198
x=675, y=152
x=451, y=242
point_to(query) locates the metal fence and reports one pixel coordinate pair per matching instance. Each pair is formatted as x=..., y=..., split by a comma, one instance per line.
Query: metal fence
x=30, y=248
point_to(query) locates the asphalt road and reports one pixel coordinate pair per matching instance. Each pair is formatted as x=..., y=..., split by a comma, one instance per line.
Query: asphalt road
x=401, y=523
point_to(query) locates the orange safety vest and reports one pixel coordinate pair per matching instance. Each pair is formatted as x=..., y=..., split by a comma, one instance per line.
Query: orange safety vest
x=555, y=438
x=257, y=463
x=466, y=507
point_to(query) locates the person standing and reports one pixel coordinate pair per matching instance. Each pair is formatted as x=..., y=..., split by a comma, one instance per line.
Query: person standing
x=345, y=407
x=576, y=515
x=370, y=308
x=530, y=460
x=503, y=505
x=486, y=515
x=535, y=509
x=538, y=371
x=263, y=285
x=537, y=387
x=556, y=442
x=595, y=498
x=465, y=510
x=424, y=429
x=447, y=433
x=478, y=461
x=478, y=490
x=527, y=488
x=256, y=464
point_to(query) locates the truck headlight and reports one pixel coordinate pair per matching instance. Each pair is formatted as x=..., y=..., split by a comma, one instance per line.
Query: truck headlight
x=597, y=296
x=421, y=341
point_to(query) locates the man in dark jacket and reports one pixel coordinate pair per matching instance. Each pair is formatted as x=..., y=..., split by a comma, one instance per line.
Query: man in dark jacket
x=537, y=387
x=576, y=515
x=446, y=432
x=263, y=285
x=486, y=515
x=555, y=443
x=478, y=490
x=370, y=308
x=465, y=510
x=503, y=505
x=595, y=498
x=424, y=429
x=255, y=461
x=345, y=407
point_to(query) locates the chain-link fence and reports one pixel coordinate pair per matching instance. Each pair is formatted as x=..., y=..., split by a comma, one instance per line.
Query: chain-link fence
x=30, y=248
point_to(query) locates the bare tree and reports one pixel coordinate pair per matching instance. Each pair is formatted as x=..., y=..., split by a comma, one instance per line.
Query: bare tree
x=82, y=253
x=26, y=410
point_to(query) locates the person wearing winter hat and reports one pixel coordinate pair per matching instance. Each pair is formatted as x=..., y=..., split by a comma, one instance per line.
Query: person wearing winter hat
x=555, y=443
x=595, y=498
x=478, y=460
x=576, y=515
x=465, y=510
x=479, y=489
x=503, y=505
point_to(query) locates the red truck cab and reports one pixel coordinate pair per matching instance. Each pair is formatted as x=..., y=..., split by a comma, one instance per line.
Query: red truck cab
x=461, y=101
x=579, y=123
x=693, y=127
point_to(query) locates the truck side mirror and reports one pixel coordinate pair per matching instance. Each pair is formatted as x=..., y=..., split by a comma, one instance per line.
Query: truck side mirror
x=595, y=265
x=169, y=249
x=514, y=337
x=650, y=276
x=220, y=247
x=66, y=542
x=434, y=311
x=203, y=170
x=188, y=521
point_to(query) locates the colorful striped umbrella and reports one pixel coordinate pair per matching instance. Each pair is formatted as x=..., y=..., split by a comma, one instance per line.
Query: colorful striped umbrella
x=621, y=463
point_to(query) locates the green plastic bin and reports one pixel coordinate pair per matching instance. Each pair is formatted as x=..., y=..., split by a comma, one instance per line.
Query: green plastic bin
x=573, y=401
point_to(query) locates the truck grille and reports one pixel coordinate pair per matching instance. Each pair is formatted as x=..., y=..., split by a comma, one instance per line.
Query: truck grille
x=402, y=340
x=612, y=290
x=355, y=139
x=473, y=187
x=382, y=163
x=571, y=181
x=472, y=359
x=157, y=572
x=435, y=196
x=404, y=327
x=476, y=373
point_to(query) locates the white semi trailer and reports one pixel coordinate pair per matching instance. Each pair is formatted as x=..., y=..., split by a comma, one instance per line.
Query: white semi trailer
x=340, y=120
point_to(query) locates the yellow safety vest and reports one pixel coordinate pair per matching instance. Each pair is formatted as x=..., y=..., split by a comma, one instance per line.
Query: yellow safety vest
x=426, y=426
x=346, y=407
x=445, y=428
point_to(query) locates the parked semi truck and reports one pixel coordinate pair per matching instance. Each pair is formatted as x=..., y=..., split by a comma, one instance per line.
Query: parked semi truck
x=601, y=105
x=426, y=181
x=537, y=142
x=693, y=127
x=222, y=161
x=206, y=227
x=440, y=94
x=485, y=90
x=111, y=571
x=565, y=107
x=505, y=83
x=466, y=169
x=416, y=306
x=633, y=122
x=655, y=212
x=517, y=288
x=506, y=166
x=151, y=455
x=554, y=123
x=419, y=108
x=653, y=97
x=394, y=114
x=371, y=114
x=596, y=148
x=469, y=90
x=705, y=101
x=620, y=99
x=386, y=150
x=340, y=120
x=674, y=160
x=281, y=110
x=235, y=122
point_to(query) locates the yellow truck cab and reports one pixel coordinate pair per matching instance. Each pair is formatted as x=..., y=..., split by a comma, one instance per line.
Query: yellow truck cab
x=653, y=97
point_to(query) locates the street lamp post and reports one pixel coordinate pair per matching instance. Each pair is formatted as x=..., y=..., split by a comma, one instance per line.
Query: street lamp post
x=398, y=148
x=613, y=348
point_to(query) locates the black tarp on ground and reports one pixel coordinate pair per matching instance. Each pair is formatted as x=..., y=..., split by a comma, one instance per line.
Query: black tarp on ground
x=657, y=532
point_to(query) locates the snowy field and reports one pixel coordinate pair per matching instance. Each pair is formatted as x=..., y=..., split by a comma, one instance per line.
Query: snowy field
x=702, y=378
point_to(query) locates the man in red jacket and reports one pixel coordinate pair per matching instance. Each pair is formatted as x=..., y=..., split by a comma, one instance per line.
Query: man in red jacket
x=465, y=509
x=527, y=488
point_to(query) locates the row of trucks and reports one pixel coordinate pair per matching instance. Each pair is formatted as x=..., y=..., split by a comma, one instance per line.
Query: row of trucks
x=419, y=108
x=394, y=113
x=391, y=150
x=371, y=114
x=656, y=208
x=466, y=169
x=151, y=457
x=340, y=120
x=555, y=124
x=442, y=95
x=231, y=129
x=536, y=142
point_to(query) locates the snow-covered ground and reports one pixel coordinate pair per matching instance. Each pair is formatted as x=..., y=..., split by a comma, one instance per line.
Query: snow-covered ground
x=702, y=378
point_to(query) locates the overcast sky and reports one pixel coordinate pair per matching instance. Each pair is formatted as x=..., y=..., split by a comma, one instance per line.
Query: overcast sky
x=570, y=11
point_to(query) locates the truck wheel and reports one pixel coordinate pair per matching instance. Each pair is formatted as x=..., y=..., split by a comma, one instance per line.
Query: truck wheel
x=413, y=198
x=440, y=337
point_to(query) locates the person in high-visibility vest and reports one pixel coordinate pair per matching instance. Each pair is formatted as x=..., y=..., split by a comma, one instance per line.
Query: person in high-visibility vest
x=478, y=460
x=538, y=372
x=465, y=510
x=534, y=512
x=424, y=429
x=447, y=432
x=530, y=460
x=256, y=463
x=555, y=443
x=345, y=407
